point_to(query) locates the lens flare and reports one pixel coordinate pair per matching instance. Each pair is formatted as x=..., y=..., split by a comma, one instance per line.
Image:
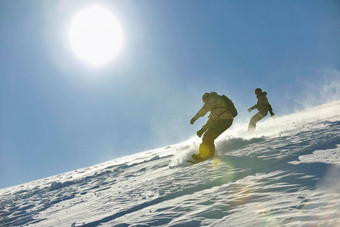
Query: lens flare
x=204, y=150
x=216, y=163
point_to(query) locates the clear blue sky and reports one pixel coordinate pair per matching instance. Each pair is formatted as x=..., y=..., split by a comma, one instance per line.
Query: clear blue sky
x=58, y=114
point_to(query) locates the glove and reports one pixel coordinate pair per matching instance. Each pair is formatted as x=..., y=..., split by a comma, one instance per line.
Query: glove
x=250, y=109
x=200, y=132
x=192, y=121
x=272, y=114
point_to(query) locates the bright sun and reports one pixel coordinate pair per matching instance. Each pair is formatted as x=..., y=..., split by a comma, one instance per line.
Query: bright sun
x=95, y=35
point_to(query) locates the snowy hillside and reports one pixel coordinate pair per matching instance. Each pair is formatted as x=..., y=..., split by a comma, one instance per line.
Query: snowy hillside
x=286, y=174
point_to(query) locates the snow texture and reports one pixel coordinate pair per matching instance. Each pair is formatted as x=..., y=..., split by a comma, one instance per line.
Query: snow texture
x=286, y=174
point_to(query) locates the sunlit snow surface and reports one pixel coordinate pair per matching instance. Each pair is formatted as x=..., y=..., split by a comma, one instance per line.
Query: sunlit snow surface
x=286, y=174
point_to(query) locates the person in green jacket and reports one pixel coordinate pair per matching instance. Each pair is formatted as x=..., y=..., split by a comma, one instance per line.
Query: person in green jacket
x=220, y=119
x=263, y=107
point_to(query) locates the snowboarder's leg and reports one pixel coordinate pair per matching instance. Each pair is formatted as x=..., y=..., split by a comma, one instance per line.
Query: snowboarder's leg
x=252, y=124
x=207, y=147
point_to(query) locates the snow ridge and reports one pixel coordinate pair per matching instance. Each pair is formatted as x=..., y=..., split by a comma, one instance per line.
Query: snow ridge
x=284, y=175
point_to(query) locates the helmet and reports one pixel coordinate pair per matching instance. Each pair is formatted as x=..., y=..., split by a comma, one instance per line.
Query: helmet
x=205, y=97
x=258, y=91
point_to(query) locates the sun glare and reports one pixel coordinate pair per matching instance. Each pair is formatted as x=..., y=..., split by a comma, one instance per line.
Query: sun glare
x=95, y=35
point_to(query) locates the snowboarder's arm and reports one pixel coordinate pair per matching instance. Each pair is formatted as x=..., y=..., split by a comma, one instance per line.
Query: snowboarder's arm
x=204, y=128
x=200, y=113
x=252, y=108
x=265, y=103
x=270, y=110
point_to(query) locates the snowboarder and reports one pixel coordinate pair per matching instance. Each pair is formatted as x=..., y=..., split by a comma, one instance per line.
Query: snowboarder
x=222, y=113
x=263, y=107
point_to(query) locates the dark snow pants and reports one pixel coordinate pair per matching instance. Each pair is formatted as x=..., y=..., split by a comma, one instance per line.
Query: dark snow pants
x=207, y=147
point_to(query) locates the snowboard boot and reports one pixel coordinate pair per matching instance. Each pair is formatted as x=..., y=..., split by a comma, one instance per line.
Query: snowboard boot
x=196, y=157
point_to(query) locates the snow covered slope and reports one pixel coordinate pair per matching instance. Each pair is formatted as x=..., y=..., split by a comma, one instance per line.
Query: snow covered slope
x=287, y=174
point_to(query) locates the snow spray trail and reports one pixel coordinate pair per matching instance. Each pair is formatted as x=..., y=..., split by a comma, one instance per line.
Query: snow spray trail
x=184, y=153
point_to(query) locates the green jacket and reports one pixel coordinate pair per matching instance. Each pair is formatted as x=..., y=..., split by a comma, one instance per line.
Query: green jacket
x=217, y=107
x=262, y=104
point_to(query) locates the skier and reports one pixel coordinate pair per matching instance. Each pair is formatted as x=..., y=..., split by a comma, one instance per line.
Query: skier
x=263, y=107
x=222, y=113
